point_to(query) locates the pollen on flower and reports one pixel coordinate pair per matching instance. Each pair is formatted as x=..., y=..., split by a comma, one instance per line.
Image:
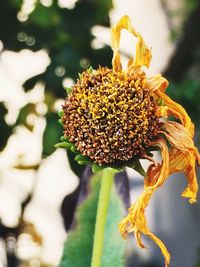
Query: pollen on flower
x=110, y=115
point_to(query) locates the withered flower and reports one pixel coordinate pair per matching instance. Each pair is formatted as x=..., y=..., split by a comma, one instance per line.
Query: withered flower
x=114, y=116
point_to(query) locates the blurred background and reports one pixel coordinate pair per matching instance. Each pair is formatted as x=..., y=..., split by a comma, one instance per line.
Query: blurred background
x=43, y=45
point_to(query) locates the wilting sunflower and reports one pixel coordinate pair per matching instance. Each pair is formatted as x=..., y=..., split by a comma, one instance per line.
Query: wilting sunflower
x=113, y=117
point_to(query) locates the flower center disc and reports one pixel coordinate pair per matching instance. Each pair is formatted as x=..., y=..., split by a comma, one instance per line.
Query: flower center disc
x=110, y=116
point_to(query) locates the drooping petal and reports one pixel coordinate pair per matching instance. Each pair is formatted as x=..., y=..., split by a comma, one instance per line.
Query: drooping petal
x=123, y=227
x=178, y=135
x=158, y=84
x=192, y=188
x=183, y=156
x=177, y=111
x=138, y=238
x=136, y=220
x=178, y=160
x=161, y=171
x=162, y=247
x=185, y=161
x=143, y=53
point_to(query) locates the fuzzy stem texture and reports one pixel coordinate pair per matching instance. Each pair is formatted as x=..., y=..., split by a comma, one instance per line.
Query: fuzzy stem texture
x=102, y=210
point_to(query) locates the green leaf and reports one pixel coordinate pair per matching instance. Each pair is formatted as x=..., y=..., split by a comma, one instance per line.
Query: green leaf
x=78, y=247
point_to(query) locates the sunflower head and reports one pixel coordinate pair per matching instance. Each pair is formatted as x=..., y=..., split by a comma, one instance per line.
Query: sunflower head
x=110, y=115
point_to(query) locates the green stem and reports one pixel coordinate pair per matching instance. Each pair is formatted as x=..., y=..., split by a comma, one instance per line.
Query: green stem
x=102, y=210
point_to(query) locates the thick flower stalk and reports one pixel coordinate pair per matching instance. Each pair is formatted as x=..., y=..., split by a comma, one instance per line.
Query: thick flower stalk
x=113, y=117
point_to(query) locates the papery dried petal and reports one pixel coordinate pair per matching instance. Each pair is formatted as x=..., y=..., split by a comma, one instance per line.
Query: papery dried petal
x=177, y=111
x=183, y=156
x=178, y=135
x=136, y=218
x=157, y=82
x=185, y=161
x=143, y=53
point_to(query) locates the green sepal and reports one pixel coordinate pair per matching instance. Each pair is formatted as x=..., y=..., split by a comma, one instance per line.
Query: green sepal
x=84, y=162
x=80, y=157
x=73, y=148
x=138, y=168
x=64, y=138
x=64, y=144
x=60, y=121
x=131, y=164
x=60, y=113
x=90, y=69
x=68, y=90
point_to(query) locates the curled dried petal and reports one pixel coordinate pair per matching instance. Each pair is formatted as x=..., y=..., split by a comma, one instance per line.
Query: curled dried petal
x=183, y=156
x=143, y=53
x=136, y=220
x=157, y=82
x=178, y=112
x=178, y=135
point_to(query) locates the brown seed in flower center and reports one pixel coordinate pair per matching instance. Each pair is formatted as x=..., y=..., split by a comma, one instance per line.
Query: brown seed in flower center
x=110, y=116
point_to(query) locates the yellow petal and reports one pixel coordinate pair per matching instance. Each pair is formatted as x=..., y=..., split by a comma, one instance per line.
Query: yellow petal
x=123, y=227
x=156, y=82
x=162, y=112
x=178, y=160
x=183, y=156
x=161, y=171
x=138, y=238
x=162, y=247
x=177, y=111
x=185, y=161
x=143, y=53
x=136, y=220
x=178, y=135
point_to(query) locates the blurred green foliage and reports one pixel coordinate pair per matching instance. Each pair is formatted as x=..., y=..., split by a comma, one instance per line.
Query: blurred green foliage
x=66, y=36
x=190, y=5
x=6, y=130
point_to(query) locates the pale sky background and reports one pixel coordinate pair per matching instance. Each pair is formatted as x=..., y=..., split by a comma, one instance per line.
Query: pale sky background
x=148, y=18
